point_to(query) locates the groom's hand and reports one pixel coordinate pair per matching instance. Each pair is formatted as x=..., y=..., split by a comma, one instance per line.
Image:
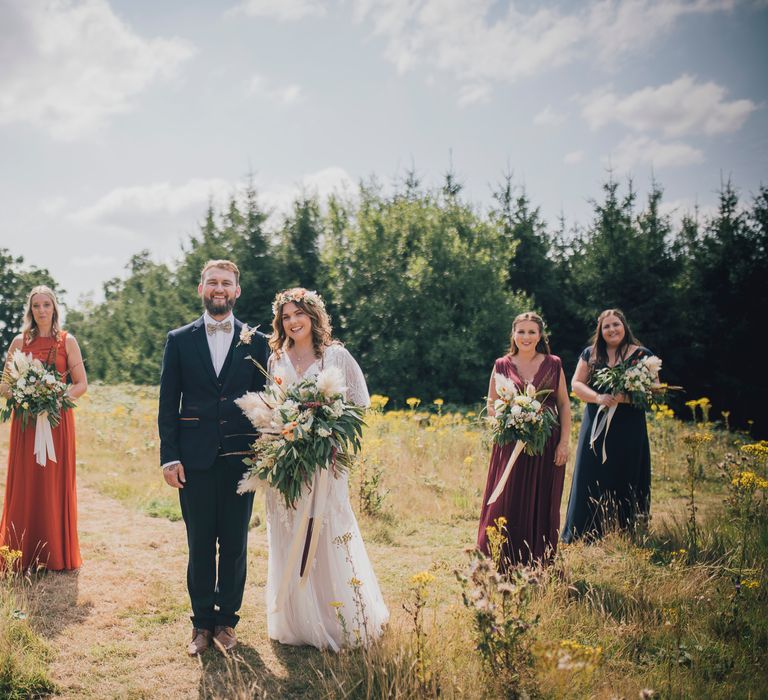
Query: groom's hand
x=174, y=475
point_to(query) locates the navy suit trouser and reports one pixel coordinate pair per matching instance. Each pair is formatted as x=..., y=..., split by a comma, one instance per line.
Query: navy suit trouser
x=216, y=517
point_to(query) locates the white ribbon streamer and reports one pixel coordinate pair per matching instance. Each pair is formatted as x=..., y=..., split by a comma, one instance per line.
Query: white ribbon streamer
x=314, y=507
x=602, y=421
x=43, y=440
x=320, y=498
x=519, y=446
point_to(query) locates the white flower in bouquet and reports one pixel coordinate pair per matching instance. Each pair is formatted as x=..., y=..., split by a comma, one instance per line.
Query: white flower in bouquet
x=255, y=407
x=505, y=387
x=530, y=391
x=331, y=382
x=323, y=432
x=248, y=483
x=653, y=364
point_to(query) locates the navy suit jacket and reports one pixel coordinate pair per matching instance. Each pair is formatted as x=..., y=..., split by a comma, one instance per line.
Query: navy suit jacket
x=197, y=419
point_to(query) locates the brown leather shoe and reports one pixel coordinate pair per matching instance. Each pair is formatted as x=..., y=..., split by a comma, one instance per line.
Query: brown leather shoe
x=224, y=638
x=201, y=640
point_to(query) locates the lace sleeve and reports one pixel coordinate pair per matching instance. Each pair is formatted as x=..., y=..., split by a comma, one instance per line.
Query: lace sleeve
x=357, y=389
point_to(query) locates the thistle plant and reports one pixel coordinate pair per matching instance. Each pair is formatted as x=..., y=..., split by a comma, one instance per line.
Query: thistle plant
x=501, y=619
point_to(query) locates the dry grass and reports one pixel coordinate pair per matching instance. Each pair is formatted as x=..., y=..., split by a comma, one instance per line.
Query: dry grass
x=643, y=616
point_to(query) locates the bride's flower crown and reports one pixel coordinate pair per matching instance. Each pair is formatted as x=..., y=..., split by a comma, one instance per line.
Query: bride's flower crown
x=295, y=295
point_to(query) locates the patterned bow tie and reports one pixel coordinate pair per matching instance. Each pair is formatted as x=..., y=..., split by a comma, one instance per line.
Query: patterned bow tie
x=213, y=327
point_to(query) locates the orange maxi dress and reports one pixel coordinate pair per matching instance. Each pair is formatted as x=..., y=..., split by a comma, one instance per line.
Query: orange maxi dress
x=40, y=507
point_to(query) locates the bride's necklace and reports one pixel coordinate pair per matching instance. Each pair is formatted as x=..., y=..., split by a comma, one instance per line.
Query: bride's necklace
x=302, y=363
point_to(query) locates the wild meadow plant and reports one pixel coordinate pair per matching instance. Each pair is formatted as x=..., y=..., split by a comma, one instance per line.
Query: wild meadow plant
x=23, y=655
x=693, y=441
x=498, y=602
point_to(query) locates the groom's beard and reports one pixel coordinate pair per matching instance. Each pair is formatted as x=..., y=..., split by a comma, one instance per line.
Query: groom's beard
x=217, y=309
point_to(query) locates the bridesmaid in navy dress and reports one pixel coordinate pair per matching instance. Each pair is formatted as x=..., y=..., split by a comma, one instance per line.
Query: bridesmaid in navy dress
x=617, y=492
x=530, y=500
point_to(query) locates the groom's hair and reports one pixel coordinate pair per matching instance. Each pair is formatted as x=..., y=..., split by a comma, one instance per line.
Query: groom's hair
x=224, y=265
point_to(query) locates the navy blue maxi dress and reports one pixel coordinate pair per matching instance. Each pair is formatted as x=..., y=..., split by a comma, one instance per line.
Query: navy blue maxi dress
x=617, y=493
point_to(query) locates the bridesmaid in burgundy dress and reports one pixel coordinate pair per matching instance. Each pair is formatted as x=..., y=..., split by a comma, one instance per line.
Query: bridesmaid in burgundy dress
x=530, y=500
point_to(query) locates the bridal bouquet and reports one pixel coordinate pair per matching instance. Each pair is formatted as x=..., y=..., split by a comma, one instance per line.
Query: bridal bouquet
x=36, y=390
x=522, y=418
x=304, y=427
x=638, y=379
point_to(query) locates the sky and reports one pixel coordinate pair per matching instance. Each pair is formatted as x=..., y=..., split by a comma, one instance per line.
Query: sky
x=120, y=120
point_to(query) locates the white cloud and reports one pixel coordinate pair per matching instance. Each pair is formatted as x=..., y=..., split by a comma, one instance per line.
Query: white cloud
x=473, y=93
x=69, y=66
x=573, y=157
x=281, y=10
x=96, y=260
x=681, y=107
x=461, y=39
x=642, y=150
x=135, y=211
x=286, y=94
x=548, y=117
x=124, y=205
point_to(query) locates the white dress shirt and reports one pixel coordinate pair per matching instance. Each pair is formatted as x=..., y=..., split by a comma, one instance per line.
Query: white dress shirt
x=219, y=342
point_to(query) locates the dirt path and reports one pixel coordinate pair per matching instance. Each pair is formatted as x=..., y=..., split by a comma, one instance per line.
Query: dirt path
x=118, y=628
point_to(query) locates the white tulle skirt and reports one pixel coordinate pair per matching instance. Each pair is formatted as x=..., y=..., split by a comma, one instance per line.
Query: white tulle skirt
x=340, y=603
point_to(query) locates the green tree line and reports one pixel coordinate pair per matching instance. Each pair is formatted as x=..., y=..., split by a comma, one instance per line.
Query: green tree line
x=422, y=284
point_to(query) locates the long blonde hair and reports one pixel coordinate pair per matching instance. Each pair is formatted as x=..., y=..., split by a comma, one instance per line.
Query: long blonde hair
x=311, y=304
x=29, y=328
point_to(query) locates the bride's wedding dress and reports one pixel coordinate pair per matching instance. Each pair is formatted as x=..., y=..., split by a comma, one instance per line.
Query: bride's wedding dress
x=340, y=603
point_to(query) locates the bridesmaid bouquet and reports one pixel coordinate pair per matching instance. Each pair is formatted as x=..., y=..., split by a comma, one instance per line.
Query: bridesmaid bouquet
x=36, y=390
x=520, y=418
x=638, y=379
x=304, y=428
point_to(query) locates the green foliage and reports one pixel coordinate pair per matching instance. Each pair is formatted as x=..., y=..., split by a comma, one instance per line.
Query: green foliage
x=420, y=291
x=16, y=280
x=422, y=287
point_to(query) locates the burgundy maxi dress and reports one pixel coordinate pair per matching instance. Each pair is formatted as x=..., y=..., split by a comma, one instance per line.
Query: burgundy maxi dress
x=531, y=498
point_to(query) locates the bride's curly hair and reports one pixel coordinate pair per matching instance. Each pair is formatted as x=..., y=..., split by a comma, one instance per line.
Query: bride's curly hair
x=311, y=304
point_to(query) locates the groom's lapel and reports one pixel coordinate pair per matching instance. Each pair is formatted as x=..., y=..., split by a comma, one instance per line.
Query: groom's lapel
x=201, y=343
x=237, y=353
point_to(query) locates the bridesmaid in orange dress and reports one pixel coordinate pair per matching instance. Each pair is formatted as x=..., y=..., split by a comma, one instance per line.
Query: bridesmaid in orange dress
x=40, y=507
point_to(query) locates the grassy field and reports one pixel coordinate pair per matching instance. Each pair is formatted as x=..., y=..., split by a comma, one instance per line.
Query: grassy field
x=677, y=609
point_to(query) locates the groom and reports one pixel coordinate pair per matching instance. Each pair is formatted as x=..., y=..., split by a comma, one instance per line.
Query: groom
x=203, y=439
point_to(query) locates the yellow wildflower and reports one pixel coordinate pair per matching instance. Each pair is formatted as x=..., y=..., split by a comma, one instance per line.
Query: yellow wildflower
x=422, y=579
x=336, y=604
x=355, y=582
x=438, y=402
x=413, y=402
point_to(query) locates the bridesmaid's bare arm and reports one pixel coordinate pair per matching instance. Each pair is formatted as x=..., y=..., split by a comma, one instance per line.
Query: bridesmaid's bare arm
x=492, y=395
x=76, y=369
x=563, y=403
x=5, y=389
x=582, y=390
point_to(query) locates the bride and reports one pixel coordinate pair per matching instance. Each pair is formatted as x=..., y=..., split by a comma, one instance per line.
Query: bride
x=340, y=602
